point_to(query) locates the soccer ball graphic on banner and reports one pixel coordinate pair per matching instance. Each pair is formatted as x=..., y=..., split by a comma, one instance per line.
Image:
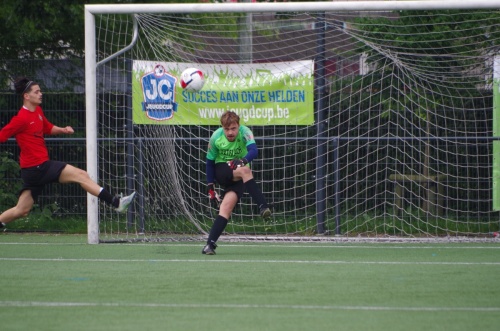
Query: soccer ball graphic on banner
x=192, y=79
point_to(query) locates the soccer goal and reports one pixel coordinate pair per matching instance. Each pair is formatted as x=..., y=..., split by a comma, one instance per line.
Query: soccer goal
x=373, y=119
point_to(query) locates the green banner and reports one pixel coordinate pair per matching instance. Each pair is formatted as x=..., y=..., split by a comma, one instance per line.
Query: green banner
x=261, y=94
x=496, y=133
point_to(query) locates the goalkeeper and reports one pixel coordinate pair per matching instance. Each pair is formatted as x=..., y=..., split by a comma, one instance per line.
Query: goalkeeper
x=231, y=148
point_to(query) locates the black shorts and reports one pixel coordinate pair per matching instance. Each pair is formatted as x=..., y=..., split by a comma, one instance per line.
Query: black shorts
x=35, y=178
x=224, y=176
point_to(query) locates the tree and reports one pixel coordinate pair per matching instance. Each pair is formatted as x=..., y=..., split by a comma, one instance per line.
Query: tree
x=46, y=29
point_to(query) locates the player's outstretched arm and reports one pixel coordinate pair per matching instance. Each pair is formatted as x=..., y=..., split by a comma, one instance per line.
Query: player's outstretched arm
x=59, y=130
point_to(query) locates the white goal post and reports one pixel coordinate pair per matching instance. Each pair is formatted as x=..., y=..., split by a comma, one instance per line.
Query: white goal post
x=396, y=137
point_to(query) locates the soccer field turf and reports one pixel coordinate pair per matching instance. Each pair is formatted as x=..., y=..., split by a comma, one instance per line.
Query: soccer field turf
x=58, y=282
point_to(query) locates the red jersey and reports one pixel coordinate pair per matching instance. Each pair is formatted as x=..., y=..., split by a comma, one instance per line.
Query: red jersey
x=28, y=128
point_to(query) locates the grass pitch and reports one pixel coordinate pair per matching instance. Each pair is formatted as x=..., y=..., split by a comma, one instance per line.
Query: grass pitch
x=58, y=282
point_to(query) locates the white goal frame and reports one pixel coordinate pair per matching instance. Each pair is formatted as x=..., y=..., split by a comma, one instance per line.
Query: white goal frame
x=91, y=63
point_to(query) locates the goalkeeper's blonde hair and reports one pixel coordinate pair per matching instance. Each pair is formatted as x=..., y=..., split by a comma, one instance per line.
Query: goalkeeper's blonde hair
x=228, y=118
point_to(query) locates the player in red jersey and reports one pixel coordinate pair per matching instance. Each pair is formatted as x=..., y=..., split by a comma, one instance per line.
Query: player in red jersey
x=29, y=127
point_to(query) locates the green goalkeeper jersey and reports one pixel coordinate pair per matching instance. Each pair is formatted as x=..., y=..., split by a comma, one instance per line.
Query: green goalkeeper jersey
x=222, y=150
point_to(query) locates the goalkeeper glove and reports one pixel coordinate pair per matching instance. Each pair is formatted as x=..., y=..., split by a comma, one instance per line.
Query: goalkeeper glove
x=236, y=163
x=213, y=195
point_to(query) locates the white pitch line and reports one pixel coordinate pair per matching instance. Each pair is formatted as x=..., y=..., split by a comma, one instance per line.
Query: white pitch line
x=209, y=260
x=277, y=245
x=24, y=304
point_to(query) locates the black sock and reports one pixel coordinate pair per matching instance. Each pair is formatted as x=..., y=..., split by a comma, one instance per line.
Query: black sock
x=217, y=229
x=256, y=194
x=1, y=225
x=104, y=195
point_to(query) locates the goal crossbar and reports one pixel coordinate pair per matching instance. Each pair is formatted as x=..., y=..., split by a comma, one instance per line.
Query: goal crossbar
x=292, y=6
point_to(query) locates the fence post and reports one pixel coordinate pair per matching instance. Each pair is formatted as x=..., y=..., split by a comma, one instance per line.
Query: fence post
x=322, y=160
x=336, y=183
x=129, y=127
x=140, y=206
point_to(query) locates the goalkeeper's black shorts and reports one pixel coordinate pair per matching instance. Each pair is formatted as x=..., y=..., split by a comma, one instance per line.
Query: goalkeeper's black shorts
x=224, y=176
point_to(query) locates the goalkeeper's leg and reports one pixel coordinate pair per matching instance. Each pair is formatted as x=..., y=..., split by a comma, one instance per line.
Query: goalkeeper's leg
x=225, y=210
x=254, y=190
x=215, y=232
x=245, y=173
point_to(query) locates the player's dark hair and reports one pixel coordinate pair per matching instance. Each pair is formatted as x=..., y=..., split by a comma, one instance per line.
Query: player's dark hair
x=23, y=85
x=228, y=118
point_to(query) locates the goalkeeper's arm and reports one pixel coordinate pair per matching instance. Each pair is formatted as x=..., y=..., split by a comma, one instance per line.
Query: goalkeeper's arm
x=252, y=153
x=210, y=170
x=212, y=194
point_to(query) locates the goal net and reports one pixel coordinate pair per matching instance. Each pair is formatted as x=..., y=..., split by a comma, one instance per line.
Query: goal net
x=372, y=119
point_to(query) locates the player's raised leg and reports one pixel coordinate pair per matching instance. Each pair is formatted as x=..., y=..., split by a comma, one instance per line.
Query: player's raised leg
x=71, y=174
x=245, y=173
